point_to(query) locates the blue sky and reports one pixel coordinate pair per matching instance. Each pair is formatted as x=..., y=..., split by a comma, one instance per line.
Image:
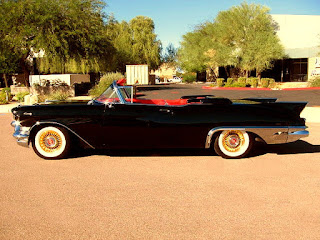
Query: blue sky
x=173, y=18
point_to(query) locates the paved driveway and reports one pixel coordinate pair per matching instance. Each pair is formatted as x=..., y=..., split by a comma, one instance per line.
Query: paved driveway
x=160, y=195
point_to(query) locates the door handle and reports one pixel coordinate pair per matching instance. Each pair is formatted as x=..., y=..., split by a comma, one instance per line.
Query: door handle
x=164, y=110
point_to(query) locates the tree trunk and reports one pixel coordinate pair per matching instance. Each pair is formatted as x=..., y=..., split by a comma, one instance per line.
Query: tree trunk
x=227, y=72
x=244, y=73
x=25, y=71
x=211, y=75
x=5, y=80
x=258, y=75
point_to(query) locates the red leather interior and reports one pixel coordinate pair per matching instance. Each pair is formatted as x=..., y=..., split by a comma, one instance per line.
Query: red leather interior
x=161, y=101
x=147, y=101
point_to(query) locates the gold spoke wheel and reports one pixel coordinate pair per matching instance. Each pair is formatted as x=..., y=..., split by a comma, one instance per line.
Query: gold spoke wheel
x=51, y=142
x=233, y=143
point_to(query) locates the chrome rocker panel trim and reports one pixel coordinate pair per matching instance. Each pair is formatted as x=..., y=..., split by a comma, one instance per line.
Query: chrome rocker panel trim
x=270, y=134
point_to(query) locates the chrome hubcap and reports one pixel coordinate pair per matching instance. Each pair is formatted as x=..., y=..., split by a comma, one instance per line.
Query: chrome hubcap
x=233, y=141
x=50, y=141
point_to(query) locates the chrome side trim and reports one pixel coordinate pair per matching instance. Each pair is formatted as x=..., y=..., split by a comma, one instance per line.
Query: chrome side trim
x=270, y=134
x=60, y=124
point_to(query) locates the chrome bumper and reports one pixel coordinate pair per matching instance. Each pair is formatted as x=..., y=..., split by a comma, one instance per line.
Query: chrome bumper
x=295, y=133
x=21, y=134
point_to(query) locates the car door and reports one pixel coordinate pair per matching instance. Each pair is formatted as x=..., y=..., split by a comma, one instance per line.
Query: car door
x=127, y=126
x=151, y=126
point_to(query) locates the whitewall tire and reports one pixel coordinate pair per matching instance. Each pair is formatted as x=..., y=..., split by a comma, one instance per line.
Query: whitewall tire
x=233, y=144
x=51, y=142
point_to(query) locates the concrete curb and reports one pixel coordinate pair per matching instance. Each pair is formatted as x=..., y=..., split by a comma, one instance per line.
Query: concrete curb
x=235, y=88
x=6, y=108
x=259, y=89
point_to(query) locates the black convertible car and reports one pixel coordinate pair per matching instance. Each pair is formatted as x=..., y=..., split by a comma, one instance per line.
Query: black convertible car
x=117, y=119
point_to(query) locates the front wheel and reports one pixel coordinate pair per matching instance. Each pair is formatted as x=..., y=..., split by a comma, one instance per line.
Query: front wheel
x=51, y=143
x=233, y=144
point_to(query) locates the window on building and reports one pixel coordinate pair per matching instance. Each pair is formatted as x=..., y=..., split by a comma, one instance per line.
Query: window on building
x=298, y=70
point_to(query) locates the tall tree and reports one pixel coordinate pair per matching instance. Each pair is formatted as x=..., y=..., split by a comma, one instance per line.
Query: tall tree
x=120, y=35
x=135, y=42
x=64, y=30
x=248, y=32
x=193, y=54
x=146, y=48
x=170, y=55
x=243, y=37
x=9, y=61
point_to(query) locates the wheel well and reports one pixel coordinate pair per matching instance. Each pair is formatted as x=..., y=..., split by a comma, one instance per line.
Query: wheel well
x=213, y=138
x=37, y=127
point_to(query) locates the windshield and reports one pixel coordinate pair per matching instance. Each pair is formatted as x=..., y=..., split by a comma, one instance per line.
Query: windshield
x=112, y=94
x=108, y=95
x=127, y=93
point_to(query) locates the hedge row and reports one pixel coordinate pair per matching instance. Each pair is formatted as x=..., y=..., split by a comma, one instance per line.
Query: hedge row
x=246, y=82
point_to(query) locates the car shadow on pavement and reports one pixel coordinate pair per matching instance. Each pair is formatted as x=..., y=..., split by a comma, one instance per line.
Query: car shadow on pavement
x=298, y=147
x=144, y=152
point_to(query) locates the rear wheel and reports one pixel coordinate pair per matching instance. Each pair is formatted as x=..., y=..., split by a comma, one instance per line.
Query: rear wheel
x=233, y=144
x=51, y=143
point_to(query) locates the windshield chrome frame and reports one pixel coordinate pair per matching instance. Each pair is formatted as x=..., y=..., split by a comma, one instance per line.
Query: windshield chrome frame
x=122, y=99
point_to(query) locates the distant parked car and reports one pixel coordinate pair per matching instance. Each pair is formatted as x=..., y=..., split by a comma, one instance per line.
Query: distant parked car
x=157, y=80
x=175, y=80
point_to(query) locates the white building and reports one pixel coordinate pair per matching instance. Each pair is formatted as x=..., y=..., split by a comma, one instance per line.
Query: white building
x=300, y=36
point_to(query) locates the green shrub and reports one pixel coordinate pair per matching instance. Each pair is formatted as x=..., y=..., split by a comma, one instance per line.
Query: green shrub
x=7, y=91
x=189, y=77
x=265, y=82
x=242, y=80
x=220, y=82
x=237, y=84
x=4, y=90
x=315, y=82
x=230, y=82
x=272, y=83
x=254, y=82
x=104, y=82
x=5, y=95
x=3, y=98
x=20, y=96
x=57, y=95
